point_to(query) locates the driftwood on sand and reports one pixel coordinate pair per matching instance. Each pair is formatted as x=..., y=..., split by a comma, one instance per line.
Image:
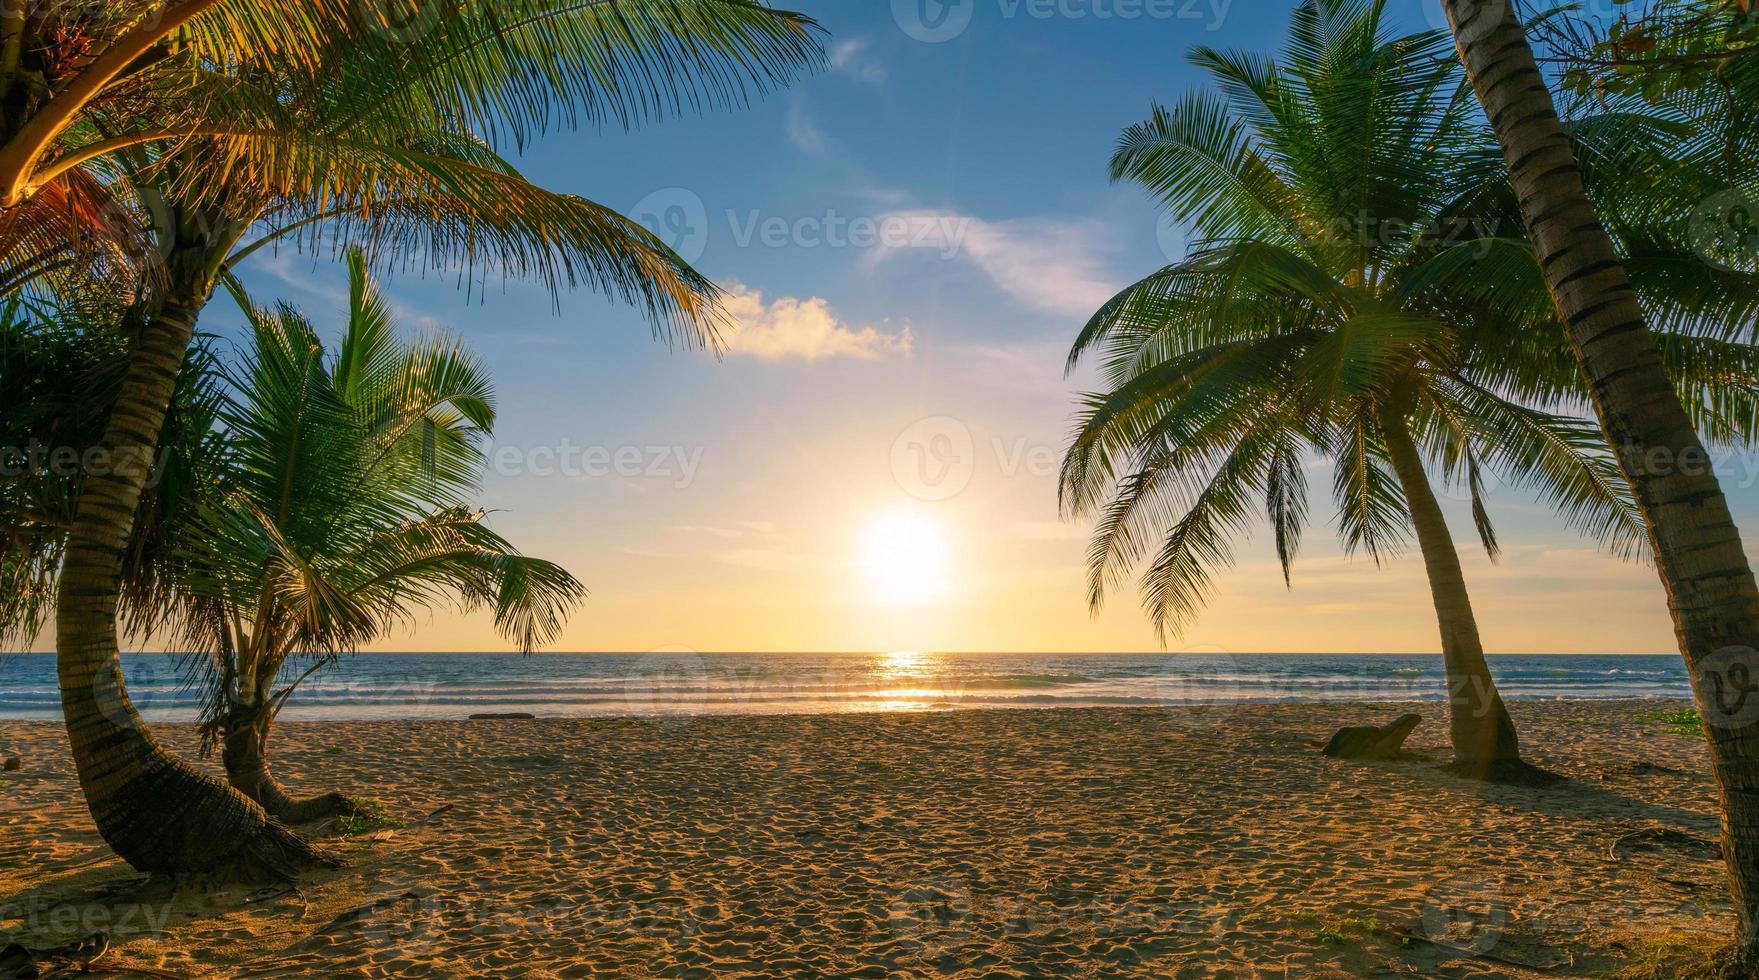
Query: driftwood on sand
x=1369, y=742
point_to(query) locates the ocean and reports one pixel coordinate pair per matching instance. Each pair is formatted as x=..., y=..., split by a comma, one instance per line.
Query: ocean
x=375, y=686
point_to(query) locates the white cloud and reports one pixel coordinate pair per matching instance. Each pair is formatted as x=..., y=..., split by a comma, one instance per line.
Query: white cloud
x=854, y=58
x=803, y=328
x=1049, y=264
x=803, y=132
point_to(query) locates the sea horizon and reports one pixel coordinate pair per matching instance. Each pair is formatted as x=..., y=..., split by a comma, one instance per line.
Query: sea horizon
x=676, y=682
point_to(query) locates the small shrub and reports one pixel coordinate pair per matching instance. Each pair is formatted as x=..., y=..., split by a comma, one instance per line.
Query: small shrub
x=370, y=816
x=1685, y=721
x=1678, y=955
x=1331, y=936
x=1339, y=932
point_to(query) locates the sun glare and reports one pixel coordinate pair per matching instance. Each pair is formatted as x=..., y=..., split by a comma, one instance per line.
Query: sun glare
x=905, y=556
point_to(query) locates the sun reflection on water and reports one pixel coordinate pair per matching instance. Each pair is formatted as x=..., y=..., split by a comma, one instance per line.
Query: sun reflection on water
x=909, y=663
x=901, y=668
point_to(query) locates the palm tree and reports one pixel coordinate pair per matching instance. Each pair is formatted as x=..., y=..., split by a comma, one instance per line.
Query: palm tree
x=1711, y=590
x=588, y=61
x=337, y=507
x=1331, y=309
x=495, y=66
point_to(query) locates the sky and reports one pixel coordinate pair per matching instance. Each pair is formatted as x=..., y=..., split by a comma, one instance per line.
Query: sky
x=910, y=241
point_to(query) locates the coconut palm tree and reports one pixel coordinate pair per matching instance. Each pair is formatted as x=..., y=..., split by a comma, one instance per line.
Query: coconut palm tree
x=1711, y=590
x=338, y=506
x=1336, y=306
x=496, y=66
x=590, y=62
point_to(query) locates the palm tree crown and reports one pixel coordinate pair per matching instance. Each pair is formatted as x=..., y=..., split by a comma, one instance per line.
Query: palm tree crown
x=342, y=506
x=1335, y=194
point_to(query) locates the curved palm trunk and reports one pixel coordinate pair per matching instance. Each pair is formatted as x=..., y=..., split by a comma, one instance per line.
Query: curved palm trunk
x=1479, y=726
x=1710, y=586
x=245, y=751
x=157, y=812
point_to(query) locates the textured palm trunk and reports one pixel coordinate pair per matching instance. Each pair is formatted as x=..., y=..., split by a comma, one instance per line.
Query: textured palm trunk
x=160, y=814
x=245, y=752
x=1479, y=726
x=1710, y=586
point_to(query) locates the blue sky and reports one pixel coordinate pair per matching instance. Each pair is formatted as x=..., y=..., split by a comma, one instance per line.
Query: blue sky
x=752, y=485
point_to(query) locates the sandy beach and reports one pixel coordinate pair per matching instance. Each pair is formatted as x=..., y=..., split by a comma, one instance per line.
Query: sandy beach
x=1094, y=842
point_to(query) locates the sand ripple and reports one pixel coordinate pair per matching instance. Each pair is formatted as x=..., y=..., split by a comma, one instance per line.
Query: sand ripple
x=1092, y=842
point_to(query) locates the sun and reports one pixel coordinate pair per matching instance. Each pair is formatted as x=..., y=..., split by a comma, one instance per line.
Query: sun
x=905, y=557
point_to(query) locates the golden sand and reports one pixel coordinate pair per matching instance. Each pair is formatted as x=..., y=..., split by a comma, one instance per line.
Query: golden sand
x=1090, y=842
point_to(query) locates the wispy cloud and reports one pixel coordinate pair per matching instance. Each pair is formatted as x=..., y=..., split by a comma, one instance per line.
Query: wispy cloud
x=1048, y=531
x=854, y=57
x=1049, y=264
x=769, y=560
x=808, y=329
x=739, y=530
x=803, y=132
x=647, y=553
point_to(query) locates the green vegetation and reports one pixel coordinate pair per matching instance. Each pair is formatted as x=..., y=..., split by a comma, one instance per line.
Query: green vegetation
x=141, y=143
x=369, y=816
x=1679, y=956
x=1352, y=299
x=1345, y=930
x=1685, y=721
